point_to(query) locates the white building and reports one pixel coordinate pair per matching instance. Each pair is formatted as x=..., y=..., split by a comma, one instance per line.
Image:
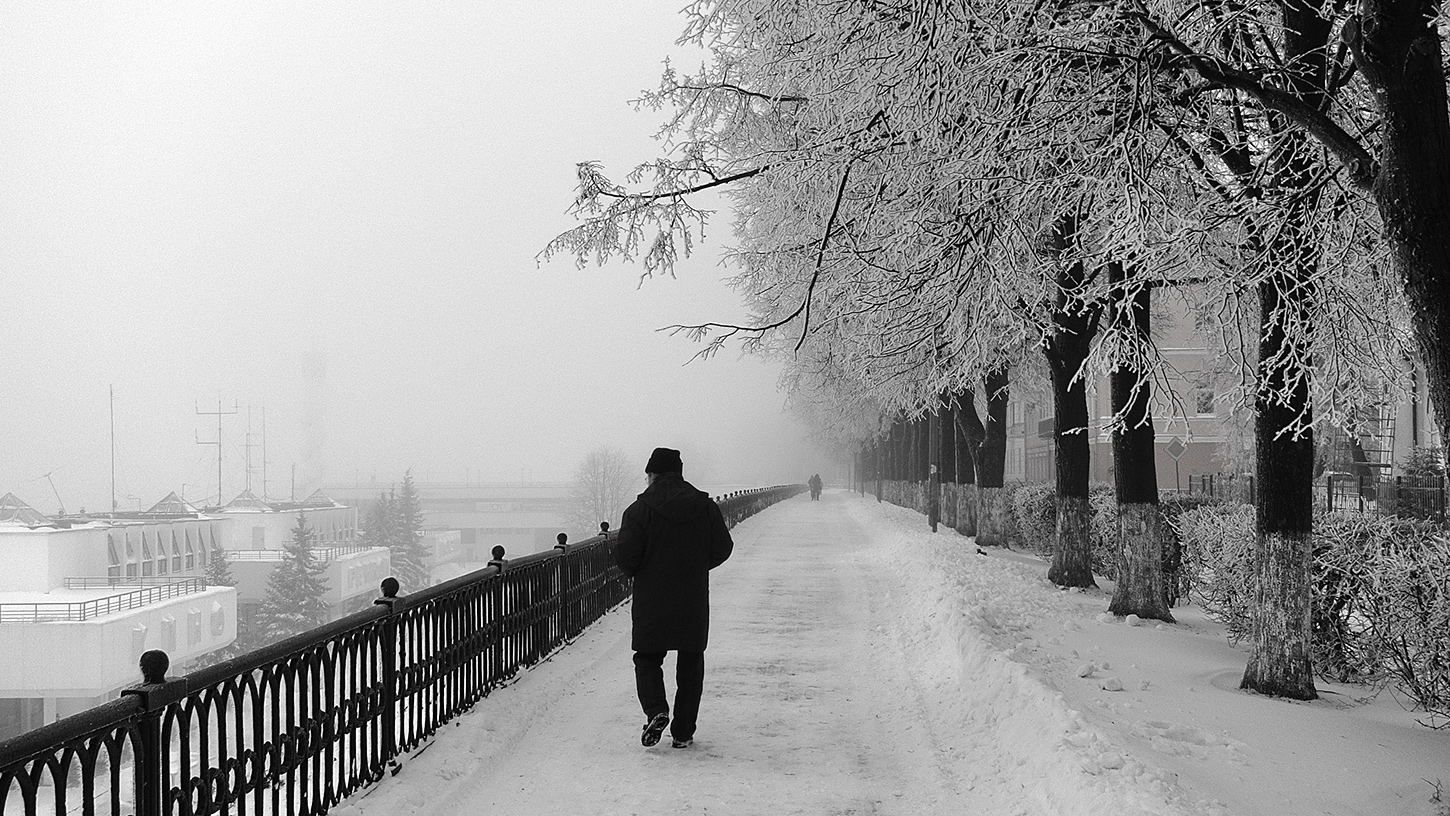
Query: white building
x=522, y=517
x=82, y=598
x=257, y=532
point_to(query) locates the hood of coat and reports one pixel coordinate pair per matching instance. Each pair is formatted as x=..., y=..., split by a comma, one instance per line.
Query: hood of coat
x=675, y=499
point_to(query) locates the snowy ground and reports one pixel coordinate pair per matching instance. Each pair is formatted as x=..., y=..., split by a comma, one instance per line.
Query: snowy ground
x=859, y=664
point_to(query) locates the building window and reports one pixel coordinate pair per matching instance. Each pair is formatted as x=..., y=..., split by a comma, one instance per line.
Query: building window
x=1204, y=401
x=175, y=553
x=218, y=619
x=147, y=559
x=113, y=558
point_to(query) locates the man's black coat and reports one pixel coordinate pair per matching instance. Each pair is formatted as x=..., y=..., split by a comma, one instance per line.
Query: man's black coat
x=669, y=540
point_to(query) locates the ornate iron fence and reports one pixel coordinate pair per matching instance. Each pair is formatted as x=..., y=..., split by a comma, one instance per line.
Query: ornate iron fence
x=295, y=727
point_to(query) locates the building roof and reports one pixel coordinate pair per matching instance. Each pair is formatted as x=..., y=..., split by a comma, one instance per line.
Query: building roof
x=172, y=505
x=14, y=512
x=319, y=499
x=246, y=500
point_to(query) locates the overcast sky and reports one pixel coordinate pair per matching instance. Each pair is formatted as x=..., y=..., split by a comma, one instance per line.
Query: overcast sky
x=331, y=209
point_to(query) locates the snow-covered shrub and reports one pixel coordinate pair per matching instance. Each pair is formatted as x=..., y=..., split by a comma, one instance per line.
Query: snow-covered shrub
x=1381, y=594
x=1103, y=501
x=1218, y=554
x=1035, y=507
x=1177, y=581
x=1382, y=605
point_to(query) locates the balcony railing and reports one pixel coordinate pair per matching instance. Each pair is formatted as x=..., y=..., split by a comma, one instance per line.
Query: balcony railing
x=295, y=727
x=96, y=607
x=318, y=553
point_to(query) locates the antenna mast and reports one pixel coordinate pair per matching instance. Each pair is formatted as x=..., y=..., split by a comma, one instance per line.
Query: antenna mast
x=113, y=447
x=248, y=445
x=218, y=413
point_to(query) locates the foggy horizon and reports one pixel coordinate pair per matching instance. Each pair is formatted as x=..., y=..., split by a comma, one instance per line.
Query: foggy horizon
x=332, y=211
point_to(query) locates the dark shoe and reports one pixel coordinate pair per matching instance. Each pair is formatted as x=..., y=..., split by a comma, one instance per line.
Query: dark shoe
x=653, y=729
x=681, y=743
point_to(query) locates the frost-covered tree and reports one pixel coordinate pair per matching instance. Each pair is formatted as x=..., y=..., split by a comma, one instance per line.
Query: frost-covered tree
x=605, y=481
x=1381, y=63
x=407, y=543
x=926, y=191
x=219, y=569
x=296, y=589
x=379, y=526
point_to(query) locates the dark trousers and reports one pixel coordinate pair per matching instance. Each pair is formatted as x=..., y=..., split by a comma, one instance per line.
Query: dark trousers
x=649, y=681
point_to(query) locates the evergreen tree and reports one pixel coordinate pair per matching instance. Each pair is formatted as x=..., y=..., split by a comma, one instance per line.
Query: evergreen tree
x=295, y=589
x=219, y=569
x=407, y=546
x=380, y=526
x=219, y=574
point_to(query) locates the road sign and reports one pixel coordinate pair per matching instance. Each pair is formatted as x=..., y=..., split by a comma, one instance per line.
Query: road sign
x=1175, y=448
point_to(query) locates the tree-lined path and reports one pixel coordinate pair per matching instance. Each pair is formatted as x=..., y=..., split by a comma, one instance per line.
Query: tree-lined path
x=810, y=706
x=860, y=664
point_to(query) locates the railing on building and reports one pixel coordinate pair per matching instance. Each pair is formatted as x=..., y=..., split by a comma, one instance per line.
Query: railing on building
x=96, y=607
x=295, y=727
x=318, y=553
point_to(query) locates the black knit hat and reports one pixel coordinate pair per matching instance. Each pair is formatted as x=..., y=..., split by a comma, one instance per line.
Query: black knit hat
x=664, y=460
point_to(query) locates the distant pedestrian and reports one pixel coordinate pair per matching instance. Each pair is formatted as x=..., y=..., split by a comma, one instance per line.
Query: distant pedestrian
x=669, y=540
x=815, y=485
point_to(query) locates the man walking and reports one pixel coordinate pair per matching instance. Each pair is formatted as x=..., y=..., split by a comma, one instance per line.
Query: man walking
x=669, y=540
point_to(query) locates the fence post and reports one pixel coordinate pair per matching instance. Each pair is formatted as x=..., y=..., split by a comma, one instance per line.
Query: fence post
x=1329, y=493
x=155, y=693
x=561, y=590
x=389, y=647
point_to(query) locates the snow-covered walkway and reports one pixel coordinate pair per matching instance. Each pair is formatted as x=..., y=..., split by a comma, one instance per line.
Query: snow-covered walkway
x=859, y=664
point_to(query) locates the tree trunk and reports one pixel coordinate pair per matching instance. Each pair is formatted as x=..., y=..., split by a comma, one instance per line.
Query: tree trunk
x=933, y=475
x=964, y=412
x=992, y=462
x=1280, y=631
x=994, y=511
x=1399, y=51
x=1139, y=589
x=1072, y=552
x=947, y=457
x=1074, y=324
x=1284, y=516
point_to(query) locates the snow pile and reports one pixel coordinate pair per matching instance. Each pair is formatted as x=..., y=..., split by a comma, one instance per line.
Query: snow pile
x=1149, y=709
x=967, y=622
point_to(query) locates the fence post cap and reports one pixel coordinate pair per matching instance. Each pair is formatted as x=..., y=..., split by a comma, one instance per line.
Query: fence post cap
x=498, y=557
x=390, y=599
x=154, y=664
x=154, y=689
